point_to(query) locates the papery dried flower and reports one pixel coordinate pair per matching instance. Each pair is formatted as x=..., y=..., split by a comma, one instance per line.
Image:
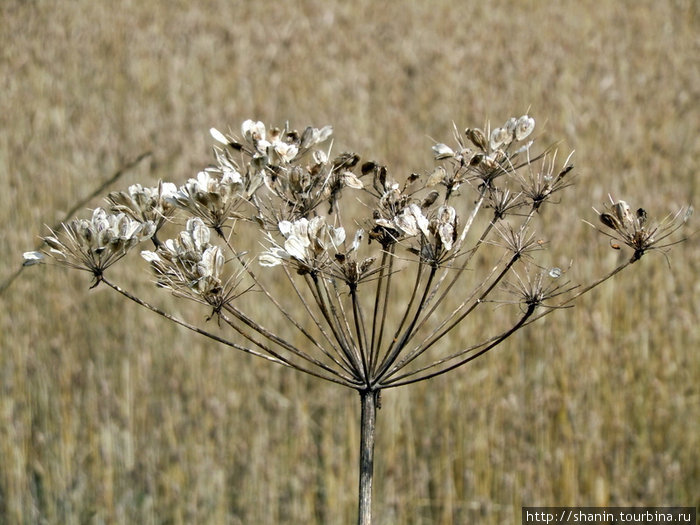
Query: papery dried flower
x=538, y=185
x=519, y=241
x=500, y=137
x=306, y=244
x=32, y=258
x=443, y=151
x=190, y=265
x=534, y=291
x=503, y=201
x=313, y=136
x=524, y=127
x=145, y=204
x=94, y=244
x=477, y=137
x=254, y=133
x=211, y=198
x=447, y=226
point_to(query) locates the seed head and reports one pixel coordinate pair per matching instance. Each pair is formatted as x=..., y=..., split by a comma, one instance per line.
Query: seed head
x=94, y=244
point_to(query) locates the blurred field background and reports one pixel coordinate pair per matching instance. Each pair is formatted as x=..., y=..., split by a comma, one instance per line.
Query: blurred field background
x=109, y=415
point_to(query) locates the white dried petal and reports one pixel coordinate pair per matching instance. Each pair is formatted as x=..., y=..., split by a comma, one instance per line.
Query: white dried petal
x=218, y=136
x=324, y=133
x=297, y=247
x=436, y=177
x=623, y=213
x=303, y=227
x=446, y=232
x=150, y=256
x=524, y=127
x=442, y=151
x=352, y=181
x=253, y=131
x=554, y=273
x=32, y=258
x=384, y=223
x=446, y=214
x=270, y=258
x=407, y=223
x=319, y=157
x=337, y=235
x=287, y=152
x=422, y=221
x=285, y=228
x=500, y=137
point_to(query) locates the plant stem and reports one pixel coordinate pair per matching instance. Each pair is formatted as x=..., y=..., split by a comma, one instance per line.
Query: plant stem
x=368, y=419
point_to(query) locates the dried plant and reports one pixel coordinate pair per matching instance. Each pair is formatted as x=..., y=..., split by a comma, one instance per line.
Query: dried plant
x=379, y=270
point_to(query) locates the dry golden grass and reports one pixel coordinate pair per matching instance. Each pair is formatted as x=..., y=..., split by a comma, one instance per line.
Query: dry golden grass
x=108, y=415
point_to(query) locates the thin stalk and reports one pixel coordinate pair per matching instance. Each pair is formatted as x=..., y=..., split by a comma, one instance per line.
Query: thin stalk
x=279, y=307
x=376, y=341
x=396, y=347
x=340, y=360
x=274, y=357
x=275, y=339
x=397, y=381
x=368, y=420
x=320, y=294
x=436, y=336
x=360, y=331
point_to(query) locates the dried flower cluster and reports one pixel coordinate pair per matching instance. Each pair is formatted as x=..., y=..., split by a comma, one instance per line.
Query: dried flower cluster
x=635, y=230
x=286, y=186
x=371, y=310
x=94, y=244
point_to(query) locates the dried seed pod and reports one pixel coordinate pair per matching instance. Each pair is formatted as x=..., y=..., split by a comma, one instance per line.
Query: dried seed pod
x=429, y=199
x=436, y=177
x=609, y=221
x=368, y=166
x=524, y=127
x=477, y=137
x=623, y=213
x=641, y=217
x=443, y=151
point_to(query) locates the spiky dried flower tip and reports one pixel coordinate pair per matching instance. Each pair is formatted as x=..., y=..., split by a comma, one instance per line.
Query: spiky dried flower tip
x=94, y=244
x=535, y=291
x=540, y=184
x=634, y=229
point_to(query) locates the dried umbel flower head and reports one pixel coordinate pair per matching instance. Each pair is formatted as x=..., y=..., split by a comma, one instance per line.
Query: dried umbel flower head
x=213, y=198
x=191, y=266
x=542, y=180
x=145, y=204
x=94, y=244
x=635, y=230
x=484, y=155
x=306, y=245
x=367, y=321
